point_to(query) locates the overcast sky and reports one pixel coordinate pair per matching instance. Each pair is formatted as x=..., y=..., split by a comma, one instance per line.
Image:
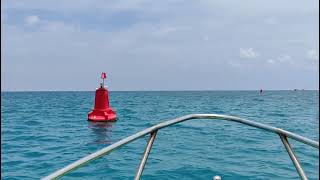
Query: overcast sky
x=160, y=45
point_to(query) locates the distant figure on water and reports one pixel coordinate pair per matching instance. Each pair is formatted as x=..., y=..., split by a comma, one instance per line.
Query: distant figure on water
x=261, y=92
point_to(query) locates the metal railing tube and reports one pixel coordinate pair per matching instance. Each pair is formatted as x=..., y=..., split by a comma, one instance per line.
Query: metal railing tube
x=293, y=157
x=164, y=124
x=145, y=155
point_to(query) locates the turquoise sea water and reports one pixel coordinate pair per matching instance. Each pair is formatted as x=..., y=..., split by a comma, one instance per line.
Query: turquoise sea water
x=45, y=131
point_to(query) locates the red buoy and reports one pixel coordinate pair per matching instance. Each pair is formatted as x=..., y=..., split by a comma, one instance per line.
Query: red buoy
x=102, y=110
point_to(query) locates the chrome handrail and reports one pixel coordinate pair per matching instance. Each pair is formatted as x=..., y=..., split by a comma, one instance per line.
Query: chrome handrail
x=153, y=131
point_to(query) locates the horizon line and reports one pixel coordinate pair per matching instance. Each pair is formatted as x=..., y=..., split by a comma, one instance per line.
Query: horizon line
x=159, y=90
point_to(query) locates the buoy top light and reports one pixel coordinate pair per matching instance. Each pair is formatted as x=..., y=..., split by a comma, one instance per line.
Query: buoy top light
x=103, y=77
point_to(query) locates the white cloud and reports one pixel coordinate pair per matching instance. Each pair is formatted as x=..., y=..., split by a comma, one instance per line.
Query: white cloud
x=271, y=61
x=313, y=54
x=206, y=38
x=284, y=58
x=32, y=20
x=248, y=53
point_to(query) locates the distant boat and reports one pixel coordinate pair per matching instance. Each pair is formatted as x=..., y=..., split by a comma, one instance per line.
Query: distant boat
x=261, y=92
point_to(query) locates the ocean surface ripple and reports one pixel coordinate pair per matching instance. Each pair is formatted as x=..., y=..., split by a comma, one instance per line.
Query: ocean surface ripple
x=45, y=131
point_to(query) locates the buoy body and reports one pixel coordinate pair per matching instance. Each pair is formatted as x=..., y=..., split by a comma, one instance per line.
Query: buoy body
x=102, y=110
